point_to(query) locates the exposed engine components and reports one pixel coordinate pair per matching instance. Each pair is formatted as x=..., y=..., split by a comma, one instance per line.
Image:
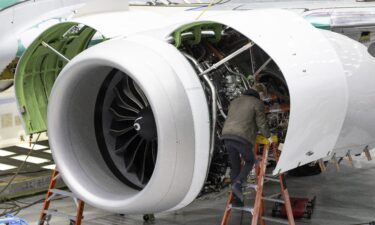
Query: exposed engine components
x=231, y=72
x=234, y=85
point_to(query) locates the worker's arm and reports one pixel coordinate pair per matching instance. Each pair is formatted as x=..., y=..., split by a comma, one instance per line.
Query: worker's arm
x=261, y=121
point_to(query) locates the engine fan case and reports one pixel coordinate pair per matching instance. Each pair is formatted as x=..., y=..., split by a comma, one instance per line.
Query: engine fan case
x=314, y=75
x=182, y=120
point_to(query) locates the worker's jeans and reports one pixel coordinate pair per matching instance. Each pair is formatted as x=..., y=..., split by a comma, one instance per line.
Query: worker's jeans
x=235, y=149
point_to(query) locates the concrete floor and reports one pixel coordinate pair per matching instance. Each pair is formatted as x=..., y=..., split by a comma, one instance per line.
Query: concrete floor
x=343, y=198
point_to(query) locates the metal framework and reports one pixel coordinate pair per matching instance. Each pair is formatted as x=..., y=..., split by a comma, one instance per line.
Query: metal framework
x=258, y=210
x=46, y=214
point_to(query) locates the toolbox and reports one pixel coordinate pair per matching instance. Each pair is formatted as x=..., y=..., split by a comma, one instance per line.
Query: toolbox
x=301, y=207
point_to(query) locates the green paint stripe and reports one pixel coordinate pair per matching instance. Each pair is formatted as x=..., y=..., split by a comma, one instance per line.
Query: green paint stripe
x=322, y=22
x=21, y=49
x=7, y=3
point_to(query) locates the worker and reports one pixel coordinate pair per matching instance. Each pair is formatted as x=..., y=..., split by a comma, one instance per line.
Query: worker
x=245, y=118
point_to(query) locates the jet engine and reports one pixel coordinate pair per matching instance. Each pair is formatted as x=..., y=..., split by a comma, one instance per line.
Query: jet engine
x=133, y=136
x=134, y=123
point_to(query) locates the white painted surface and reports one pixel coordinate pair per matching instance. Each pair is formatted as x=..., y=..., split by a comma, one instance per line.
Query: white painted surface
x=103, y=6
x=315, y=78
x=115, y=24
x=358, y=130
x=181, y=114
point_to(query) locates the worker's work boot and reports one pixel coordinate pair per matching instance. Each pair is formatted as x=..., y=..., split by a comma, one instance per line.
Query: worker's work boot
x=237, y=190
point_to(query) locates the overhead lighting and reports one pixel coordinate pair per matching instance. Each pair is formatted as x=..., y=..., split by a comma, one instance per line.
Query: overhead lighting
x=49, y=167
x=6, y=153
x=36, y=147
x=4, y=167
x=30, y=159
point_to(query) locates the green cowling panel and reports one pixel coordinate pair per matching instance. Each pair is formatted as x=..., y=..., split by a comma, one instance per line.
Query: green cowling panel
x=196, y=28
x=39, y=68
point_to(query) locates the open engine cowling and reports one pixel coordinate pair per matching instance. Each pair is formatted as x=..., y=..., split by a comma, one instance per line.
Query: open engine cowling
x=108, y=83
x=107, y=96
x=130, y=120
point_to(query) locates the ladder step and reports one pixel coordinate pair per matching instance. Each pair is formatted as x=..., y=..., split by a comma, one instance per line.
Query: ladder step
x=272, y=179
x=59, y=214
x=46, y=214
x=275, y=220
x=274, y=200
x=63, y=193
x=271, y=175
x=253, y=186
x=245, y=209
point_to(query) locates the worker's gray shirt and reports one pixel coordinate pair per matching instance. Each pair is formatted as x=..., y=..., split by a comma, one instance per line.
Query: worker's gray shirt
x=245, y=118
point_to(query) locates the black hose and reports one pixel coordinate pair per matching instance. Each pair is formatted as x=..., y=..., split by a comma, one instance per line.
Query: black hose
x=367, y=223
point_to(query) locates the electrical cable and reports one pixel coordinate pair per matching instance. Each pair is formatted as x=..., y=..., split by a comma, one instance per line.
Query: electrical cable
x=205, y=9
x=19, y=168
x=15, y=207
x=15, y=212
x=222, y=2
x=368, y=223
x=24, y=173
x=12, y=206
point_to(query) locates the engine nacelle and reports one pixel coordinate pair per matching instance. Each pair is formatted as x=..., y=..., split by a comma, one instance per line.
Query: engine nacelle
x=130, y=137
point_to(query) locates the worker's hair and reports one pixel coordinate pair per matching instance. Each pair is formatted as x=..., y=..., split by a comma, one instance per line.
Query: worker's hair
x=252, y=92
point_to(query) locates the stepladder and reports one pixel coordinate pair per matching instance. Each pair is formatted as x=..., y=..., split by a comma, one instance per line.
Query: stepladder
x=52, y=193
x=262, y=150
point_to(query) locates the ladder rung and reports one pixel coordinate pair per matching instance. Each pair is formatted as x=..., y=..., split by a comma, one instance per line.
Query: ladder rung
x=275, y=220
x=253, y=186
x=63, y=193
x=56, y=213
x=245, y=209
x=273, y=200
x=272, y=176
x=272, y=179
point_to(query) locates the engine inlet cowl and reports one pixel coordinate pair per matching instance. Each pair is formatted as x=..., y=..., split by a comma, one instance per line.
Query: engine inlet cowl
x=129, y=127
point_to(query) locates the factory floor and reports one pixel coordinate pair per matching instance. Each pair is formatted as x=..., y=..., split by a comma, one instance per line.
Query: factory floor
x=343, y=198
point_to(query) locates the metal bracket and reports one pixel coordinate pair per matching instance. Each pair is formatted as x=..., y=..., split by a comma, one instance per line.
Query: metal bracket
x=229, y=57
x=335, y=162
x=349, y=158
x=367, y=153
x=322, y=166
x=55, y=51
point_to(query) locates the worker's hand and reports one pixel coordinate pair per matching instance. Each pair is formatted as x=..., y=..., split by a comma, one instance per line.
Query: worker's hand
x=270, y=140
